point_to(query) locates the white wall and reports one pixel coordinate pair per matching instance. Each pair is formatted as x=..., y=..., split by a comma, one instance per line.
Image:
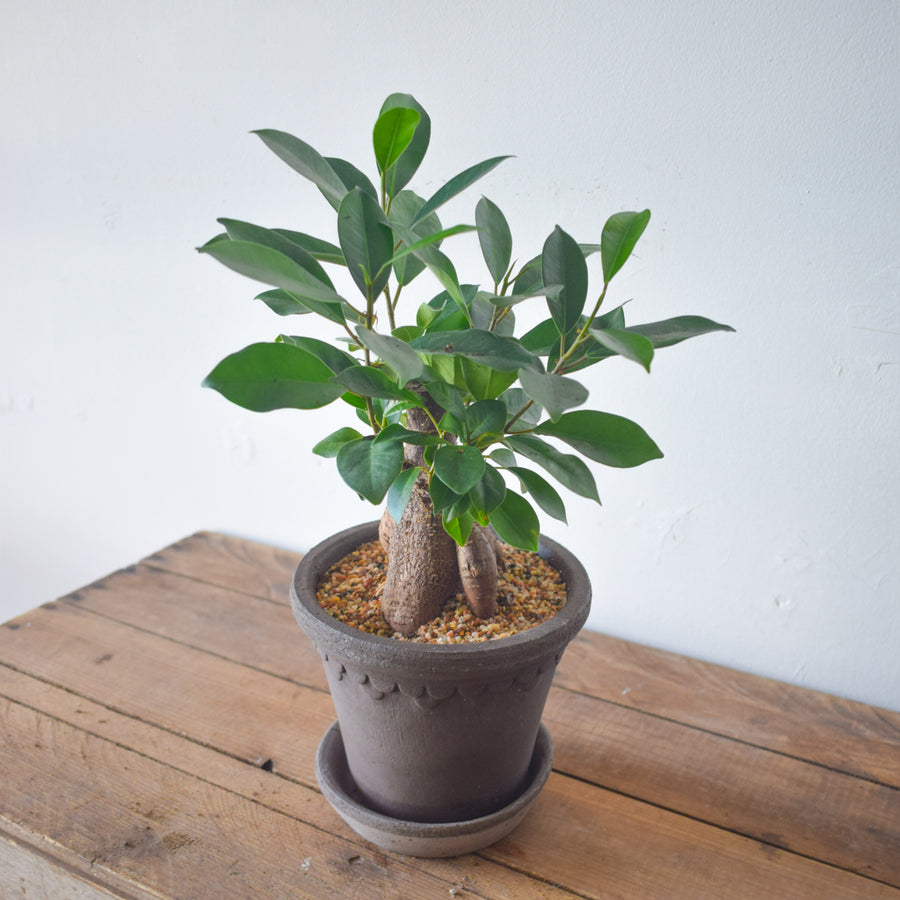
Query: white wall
x=762, y=135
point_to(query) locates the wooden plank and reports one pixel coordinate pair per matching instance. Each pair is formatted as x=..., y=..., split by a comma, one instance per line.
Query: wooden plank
x=825, y=814
x=231, y=562
x=845, y=735
x=27, y=873
x=608, y=846
x=270, y=790
x=849, y=736
x=182, y=836
x=782, y=801
x=253, y=631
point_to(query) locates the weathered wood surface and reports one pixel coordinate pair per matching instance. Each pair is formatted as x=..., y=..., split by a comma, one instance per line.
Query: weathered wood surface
x=138, y=713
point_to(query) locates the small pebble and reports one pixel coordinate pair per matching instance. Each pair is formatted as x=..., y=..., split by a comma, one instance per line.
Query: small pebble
x=531, y=591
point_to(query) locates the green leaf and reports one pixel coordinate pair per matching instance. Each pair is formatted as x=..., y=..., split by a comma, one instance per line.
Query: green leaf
x=457, y=184
x=503, y=457
x=447, y=397
x=604, y=438
x=632, y=346
x=396, y=353
x=543, y=339
x=270, y=266
x=495, y=238
x=459, y=467
x=485, y=417
x=396, y=432
x=316, y=247
x=399, y=175
x=265, y=376
x=673, y=331
x=485, y=347
x=620, y=233
x=351, y=176
x=308, y=162
x=563, y=264
x=329, y=446
x=369, y=382
x=428, y=240
x=333, y=357
x=516, y=522
x=403, y=209
x=370, y=468
x=283, y=303
x=442, y=497
x=366, y=241
x=399, y=492
x=516, y=401
x=482, y=381
x=489, y=492
x=391, y=135
x=545, y=495
x=245, y=231
x=459, y=527
x=567, y=469
x=554, y=392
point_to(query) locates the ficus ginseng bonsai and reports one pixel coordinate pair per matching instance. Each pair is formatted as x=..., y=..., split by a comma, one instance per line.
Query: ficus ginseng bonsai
x=450, y=400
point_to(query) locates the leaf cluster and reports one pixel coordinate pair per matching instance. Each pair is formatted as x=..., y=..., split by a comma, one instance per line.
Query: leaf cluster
x=507, y=403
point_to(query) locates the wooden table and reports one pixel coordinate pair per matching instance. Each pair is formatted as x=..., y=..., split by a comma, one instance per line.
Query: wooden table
x=160, y=727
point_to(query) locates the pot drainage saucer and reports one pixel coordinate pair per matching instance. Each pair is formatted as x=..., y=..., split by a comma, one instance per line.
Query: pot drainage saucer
x=425, y=839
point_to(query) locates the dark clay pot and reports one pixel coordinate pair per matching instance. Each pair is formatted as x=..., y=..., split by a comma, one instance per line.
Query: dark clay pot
x=437, y=733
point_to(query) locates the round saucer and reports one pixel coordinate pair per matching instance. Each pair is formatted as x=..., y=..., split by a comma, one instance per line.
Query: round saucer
x=424, y=839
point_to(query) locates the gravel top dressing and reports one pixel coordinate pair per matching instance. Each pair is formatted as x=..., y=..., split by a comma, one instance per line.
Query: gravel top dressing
x=531, y=591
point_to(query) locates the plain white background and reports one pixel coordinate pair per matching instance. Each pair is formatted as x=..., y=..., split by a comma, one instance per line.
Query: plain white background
x=763, y=137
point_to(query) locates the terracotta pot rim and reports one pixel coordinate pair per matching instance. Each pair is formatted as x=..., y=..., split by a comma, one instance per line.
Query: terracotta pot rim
x=548, y=638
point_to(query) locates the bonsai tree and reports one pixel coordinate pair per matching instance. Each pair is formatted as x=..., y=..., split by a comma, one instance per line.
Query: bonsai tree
x=451, y=410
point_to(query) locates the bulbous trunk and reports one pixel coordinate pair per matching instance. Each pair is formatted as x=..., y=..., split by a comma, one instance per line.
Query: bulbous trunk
x=425, y=566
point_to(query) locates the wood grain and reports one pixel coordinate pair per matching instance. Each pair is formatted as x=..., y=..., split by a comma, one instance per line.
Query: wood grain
x=138, y=712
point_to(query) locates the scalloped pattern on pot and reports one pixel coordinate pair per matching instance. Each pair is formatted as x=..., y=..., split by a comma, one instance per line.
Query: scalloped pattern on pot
x=428, y=696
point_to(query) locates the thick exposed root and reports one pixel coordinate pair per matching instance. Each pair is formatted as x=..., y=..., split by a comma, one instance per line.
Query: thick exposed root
x=477, y=561
x=422, y=571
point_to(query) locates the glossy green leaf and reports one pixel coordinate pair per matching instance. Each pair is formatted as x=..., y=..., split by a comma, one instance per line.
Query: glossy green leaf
x=391, y=135
x=563, y=264
x=333, y=357
x=329, y=446
x=429, y=240
x=620, y=233
x=324, y=251
x=308, y=162
x=369, y=382
x=555, y=393
x=501, y=353
x=370, y=468
x=442, y=496
x=632, y=346
x=516, y=522
x=283, y=303
x=459, y=527
x=673, y=331
x=397, y=432
x=399, y=174
x=396, y=353
x=544, y=494
x=399, y=492
x=485, y=417
x=482, y=381
x=494, y=237
x=489, y=492
x=447, y=397
x=459, y=467
x=245, y=231
x=503, y=457
x=604, y=438
x=266, y=376
x=404, y=207
x=272, y=267
x=567, y=469
x=366, y=241
x=522, y=408
x=457, y=184
x=351, y=176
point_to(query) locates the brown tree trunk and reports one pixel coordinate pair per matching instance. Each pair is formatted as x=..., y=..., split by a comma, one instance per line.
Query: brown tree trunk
x=425, y=566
